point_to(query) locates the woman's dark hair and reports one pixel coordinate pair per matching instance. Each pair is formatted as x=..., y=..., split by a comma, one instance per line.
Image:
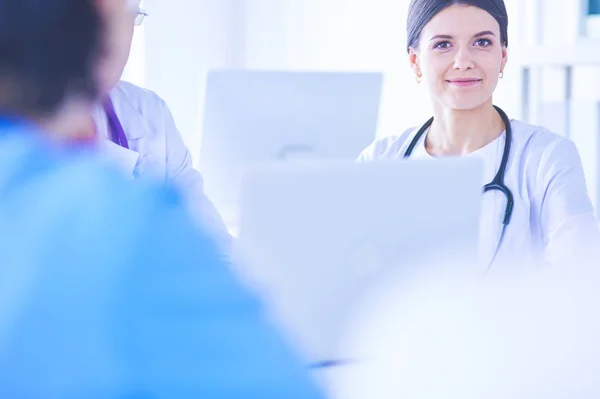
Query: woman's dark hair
x=48, y=51
x=420, y=12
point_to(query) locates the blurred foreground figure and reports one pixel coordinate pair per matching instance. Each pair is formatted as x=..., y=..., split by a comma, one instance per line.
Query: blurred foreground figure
x=106, y=288
x=519, y=337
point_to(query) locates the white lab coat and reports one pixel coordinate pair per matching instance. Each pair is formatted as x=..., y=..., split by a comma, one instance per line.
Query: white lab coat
x=553, y=220
x=157, y=151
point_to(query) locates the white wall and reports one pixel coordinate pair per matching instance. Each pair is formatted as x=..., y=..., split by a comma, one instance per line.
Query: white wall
x=135, y=70
x=339, y=35
x=352, y=35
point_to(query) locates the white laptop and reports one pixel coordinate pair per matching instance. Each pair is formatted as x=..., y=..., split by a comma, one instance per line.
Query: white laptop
x=273, y=116
x=316, y=235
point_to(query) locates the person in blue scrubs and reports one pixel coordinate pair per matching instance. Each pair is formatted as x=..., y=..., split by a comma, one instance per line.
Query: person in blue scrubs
x=107, y=289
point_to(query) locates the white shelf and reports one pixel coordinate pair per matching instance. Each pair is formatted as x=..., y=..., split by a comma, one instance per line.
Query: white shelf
x=585, y=52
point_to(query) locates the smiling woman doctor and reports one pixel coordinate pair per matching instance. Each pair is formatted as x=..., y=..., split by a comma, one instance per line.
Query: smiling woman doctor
x=536, y=209
x=137, y=132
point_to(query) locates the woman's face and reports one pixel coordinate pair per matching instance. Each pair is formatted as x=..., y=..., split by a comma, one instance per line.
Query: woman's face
x=119, y=17
x=460, y=57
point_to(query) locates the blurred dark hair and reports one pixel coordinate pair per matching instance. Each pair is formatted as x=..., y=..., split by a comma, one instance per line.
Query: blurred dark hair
x=48, y=51
x=420, y=12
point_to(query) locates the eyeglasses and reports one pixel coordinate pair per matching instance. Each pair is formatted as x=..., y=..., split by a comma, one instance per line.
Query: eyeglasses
x=139, y=17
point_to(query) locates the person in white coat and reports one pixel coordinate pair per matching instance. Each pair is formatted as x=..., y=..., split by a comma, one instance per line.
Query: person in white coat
x=137, y=131
x=536, y=209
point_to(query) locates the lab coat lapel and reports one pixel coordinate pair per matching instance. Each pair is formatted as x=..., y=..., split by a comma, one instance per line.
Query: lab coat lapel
x=135, y=129
x=131, y=119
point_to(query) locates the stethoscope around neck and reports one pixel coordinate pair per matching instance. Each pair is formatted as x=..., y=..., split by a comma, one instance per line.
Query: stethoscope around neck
x=497, y=182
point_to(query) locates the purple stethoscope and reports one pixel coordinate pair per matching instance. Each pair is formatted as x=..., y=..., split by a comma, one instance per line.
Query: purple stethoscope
x=117, y=134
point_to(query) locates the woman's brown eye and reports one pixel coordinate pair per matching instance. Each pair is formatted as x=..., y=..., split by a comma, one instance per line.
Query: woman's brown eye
x=442, y=45
x=483, y=42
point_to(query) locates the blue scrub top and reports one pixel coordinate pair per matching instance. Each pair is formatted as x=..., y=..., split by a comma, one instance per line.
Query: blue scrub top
x=108, y=291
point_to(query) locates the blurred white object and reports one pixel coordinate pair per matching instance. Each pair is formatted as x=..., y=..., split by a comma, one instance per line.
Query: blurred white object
x=521, y=337
x=592, y=26
x=260, y=116
x=317, y=235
